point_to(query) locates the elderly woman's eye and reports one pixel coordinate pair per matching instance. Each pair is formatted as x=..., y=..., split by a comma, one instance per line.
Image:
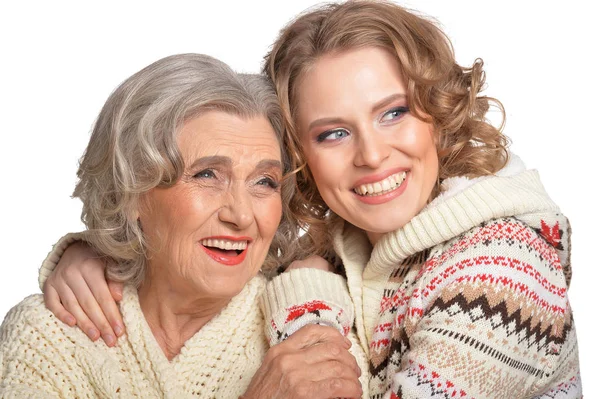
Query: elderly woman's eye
x=205, y=174
x=394, y=114
x=269, y=182
x=332, y=135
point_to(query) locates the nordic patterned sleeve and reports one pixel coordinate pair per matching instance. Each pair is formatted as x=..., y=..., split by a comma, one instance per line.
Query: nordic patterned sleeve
x=305, y=296
x=487, y=317
x=55, y=254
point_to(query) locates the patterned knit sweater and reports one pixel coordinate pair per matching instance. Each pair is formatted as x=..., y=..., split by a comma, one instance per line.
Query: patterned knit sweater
x=468, y=300
x=40, y=357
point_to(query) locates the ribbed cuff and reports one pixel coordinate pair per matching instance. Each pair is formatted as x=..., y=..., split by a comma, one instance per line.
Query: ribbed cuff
x=315, y=295
x=54, y=256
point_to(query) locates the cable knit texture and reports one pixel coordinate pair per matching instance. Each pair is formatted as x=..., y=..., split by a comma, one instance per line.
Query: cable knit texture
x=40, y=357
x=469, y=299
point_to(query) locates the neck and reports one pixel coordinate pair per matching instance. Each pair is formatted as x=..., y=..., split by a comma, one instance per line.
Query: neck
x=374, y=237
x=173, y=315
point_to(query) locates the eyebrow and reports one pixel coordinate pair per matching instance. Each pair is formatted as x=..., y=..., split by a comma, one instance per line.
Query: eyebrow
x=269, y=164
x=226, y=161
x=388, y=100
x=380, y=104
x=212, y=160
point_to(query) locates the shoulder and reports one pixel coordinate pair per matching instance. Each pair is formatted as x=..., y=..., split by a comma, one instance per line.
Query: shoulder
x=503, y=251
x=32, y=346
x=29, y=313
x=29, y=326
x=500, y=240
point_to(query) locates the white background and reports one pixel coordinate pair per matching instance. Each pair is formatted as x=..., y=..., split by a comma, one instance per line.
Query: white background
x=60, y=60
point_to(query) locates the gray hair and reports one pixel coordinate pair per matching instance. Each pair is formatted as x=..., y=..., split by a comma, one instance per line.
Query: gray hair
x=133, y=149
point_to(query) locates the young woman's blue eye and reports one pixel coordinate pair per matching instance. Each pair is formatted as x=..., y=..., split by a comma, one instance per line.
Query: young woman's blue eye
x=393, y=114
x=205, y=174
x=332, y=135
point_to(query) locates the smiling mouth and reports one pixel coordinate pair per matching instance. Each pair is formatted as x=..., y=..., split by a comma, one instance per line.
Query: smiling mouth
x=227, y=247
x=381, y=187
x=227, y=252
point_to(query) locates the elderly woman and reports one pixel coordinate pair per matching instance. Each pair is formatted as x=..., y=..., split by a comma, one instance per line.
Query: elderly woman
x=182, y=185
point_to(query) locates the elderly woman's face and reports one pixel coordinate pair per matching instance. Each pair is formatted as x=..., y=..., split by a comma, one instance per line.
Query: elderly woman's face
x=213, y=228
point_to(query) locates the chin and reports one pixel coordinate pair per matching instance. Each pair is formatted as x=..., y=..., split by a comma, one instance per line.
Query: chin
x=381, y=225
x=228, y=287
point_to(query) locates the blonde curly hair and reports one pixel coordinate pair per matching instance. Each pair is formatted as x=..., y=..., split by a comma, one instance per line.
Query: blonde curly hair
x=439, y=91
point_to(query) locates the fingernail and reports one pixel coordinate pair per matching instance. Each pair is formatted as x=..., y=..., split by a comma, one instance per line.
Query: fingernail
x=348, y=342
x=109, y=339
x=118, y=330
x=70, y=320
x=92, y=333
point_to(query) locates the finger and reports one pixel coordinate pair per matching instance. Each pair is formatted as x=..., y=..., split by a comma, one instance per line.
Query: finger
x=313, y=334
x=332, y=369
x=301, y=382
x=70, y=302
x=327, y=352
x=116, y=290
x=336, y=388
x=107, y=303
x=300, y=365
x=88, y=302
x=52, y=301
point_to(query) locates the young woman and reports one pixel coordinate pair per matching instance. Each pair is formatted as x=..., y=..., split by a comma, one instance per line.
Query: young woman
x=457, y=261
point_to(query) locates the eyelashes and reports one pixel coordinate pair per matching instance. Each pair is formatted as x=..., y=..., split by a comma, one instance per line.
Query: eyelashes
x=264, y=181
x=205, y=174
x=388, y=117
x=393, y=114
x=331, y=135
x=269, y=182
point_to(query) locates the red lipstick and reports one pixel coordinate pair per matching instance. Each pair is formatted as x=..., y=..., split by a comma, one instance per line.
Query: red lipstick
x=224, y=256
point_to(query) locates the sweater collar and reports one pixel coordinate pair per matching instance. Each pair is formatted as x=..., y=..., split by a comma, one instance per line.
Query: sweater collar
x=463, y=204
x=150, y=355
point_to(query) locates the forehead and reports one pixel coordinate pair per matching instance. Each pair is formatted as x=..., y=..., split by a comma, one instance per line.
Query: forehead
x=354, y=77
x=220, y=133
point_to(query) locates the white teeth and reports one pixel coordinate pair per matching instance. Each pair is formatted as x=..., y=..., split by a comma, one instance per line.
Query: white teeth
x=386, y=185
x=225, y=244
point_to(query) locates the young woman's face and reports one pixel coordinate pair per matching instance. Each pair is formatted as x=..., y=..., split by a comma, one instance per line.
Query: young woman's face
x=374, y=163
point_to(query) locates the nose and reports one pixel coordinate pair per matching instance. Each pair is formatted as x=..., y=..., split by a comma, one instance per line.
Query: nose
x=371, y=149
x=236, y=210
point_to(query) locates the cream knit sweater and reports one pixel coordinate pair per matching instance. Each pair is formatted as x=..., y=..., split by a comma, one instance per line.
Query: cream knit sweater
x=218, y=362
x=40, y=357
x=468, y=300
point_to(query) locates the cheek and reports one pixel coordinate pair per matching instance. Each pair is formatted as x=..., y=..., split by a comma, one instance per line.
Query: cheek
x=430, y=163
x=178, y=211
x=325, y=171
x=268, y=216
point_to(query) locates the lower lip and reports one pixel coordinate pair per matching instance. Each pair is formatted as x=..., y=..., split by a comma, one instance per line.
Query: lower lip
x=387, y=197
x=224, y=259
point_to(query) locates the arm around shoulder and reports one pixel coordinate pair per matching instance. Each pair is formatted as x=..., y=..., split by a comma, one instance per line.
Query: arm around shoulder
x=55, y=254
